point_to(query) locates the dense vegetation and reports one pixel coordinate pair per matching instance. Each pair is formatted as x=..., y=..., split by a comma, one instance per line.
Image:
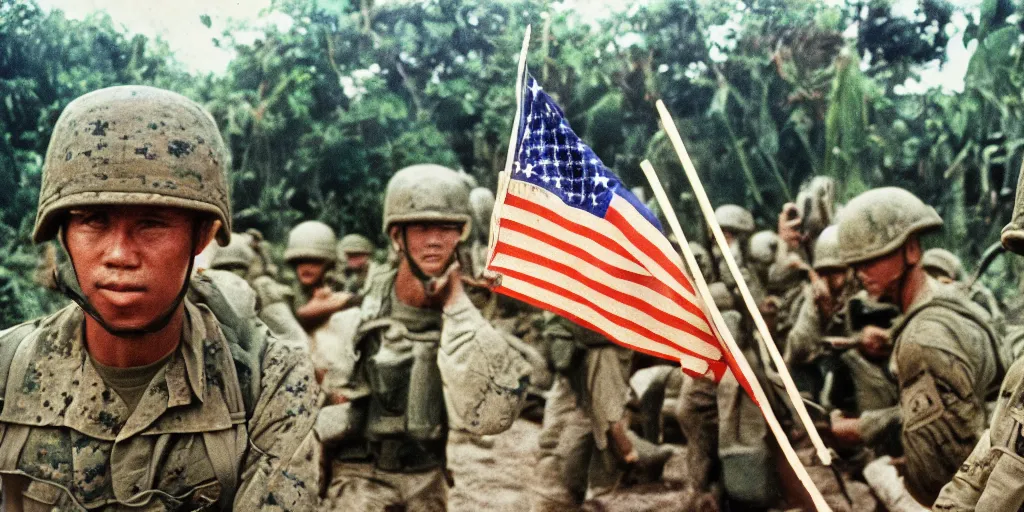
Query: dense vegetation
x=767, y=93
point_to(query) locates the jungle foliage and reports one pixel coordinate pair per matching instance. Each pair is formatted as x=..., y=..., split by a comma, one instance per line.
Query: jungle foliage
x=767, y=93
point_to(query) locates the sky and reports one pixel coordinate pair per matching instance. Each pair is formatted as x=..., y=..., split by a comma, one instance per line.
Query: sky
x=177, y=22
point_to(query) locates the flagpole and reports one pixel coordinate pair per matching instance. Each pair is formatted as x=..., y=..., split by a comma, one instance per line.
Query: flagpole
x=726, y=336
x=709, y=213
x=506, y=174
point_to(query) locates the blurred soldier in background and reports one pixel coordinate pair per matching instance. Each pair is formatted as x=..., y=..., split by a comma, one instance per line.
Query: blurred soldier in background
x=356, y=255
x=312, y=252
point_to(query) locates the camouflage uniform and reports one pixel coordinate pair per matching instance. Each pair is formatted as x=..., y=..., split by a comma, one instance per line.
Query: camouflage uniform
x=206, y=434
x=409, y=375
x=992, y=477
x=944, y=352
x=354, y=279
x=588, y=397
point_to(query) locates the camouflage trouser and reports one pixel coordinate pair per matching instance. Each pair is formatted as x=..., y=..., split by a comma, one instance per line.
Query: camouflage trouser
x=569, y=462
x=364, y=488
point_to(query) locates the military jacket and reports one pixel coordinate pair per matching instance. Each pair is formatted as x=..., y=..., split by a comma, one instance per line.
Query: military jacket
x=945, y=364
x=68, y=442
x=992, y=477
x=484, y=378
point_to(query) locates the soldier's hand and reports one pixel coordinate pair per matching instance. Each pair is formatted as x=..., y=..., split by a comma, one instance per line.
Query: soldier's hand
x=845, y=430
x=448, y=287
x=789, y=225
x=875, y=342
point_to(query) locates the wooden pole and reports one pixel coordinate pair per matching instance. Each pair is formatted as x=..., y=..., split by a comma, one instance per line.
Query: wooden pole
x=726, y=336
x=709, y=213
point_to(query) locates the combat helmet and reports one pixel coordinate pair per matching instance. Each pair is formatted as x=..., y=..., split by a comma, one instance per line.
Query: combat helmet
x=427, y=193
x=826, y=250
x=763, y=246
x=880, y=221
x=311, y=240
x=355, y=244
x=703, y=258
x=237, y=254
x=735, y=218
x=134, y=145
x=481, y=201
x=943, y=261
x=1013, y=233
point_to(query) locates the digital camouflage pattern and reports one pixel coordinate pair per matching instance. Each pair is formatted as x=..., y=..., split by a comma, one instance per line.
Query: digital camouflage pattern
x=313, y=240
x=880, y=221
x=70, y=441
x=134, y=145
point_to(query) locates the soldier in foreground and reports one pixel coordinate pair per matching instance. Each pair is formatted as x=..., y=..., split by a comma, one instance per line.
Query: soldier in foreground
x=944, y=353
x=992, y=478
x=414, y=361
x=155, y=390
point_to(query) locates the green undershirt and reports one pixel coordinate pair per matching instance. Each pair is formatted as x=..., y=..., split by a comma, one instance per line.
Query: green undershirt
x=130, y=383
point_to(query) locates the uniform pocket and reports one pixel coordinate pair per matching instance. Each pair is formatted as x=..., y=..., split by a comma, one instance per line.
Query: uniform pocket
x=40, y=496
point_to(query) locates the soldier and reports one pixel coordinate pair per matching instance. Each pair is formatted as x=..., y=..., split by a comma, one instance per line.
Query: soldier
x=415, y=360
x=738, y=224
x=312, y=252
x=990, y=479
x=356, y=253
x=154, y=391
x=946, y=268
x=237, y=257
x=944, y=354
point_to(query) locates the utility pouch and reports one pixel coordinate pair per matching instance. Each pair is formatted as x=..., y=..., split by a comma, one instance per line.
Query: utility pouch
x=424, y=411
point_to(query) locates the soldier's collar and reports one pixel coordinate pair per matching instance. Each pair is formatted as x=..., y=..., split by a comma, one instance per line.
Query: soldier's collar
x=192, y=343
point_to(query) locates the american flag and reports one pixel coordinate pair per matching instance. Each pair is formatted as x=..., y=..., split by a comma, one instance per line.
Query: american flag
x=570, y=238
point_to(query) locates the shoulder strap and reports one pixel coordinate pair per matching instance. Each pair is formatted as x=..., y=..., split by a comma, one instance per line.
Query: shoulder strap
x=944, y=299
x=10, y=340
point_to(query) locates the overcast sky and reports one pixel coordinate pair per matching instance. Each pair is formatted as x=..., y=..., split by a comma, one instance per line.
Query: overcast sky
x=177, y=22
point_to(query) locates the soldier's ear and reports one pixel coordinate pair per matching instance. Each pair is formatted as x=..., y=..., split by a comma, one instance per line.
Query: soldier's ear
x=208, y=228
x=912, y=251
x=395, y=235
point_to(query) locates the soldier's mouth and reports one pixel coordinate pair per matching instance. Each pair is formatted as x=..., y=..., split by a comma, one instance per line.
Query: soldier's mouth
x=121, y=288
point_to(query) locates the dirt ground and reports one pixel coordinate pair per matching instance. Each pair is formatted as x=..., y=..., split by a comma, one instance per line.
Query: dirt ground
x=499, y=479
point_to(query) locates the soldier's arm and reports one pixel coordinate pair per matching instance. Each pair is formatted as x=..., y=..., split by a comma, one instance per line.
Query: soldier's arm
x=484, y=377
x=281, y=470
x=805, y=338
x=942, y=416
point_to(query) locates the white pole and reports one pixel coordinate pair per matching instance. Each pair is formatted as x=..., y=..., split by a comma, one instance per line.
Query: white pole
x=726, y=336
x=709, y=213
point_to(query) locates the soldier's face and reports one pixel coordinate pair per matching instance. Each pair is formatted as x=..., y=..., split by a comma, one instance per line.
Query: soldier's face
x=357, y=260
x=881, y=277
x=131, y=260
x=836, y=280
x=310, y=272
x=431, y=246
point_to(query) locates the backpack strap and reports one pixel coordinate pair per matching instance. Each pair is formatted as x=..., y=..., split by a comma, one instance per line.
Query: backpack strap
x=10, y=340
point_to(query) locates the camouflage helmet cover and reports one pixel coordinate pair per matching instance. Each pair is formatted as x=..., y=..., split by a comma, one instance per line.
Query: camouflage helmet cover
x=355, y=244
x=238, y=253
x=826, y=250
x=427, y=193
x=942, y=260
x=1013, y=233
x=134, y=145
x=880, y=221
x=735, y=218
x=312, y=240
x=763, y=246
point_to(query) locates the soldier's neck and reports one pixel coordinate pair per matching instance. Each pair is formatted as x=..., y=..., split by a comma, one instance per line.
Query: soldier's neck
x=119, y=352
x=915, y=288
x=409, y=289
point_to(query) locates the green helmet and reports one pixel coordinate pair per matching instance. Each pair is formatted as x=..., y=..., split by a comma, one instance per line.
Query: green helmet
x=1013, y=233
x=763, y=246
x=134, y=145
x=943, y=261
x=880, y=221
x=735, y=218
x=311, y=240
x=722, y=296
x=481, y=201
x=238, y=253
x=355, y=244
x=427, y=193
x=826, y=250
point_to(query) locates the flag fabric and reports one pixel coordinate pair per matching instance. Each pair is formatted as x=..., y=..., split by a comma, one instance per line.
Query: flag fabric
x=570, y=238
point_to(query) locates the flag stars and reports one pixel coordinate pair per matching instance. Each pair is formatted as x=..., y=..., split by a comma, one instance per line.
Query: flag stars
x=601, y=181
x=535, y=89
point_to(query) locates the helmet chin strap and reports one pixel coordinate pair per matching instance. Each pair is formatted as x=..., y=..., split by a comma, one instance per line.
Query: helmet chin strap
x=428, y=282
x=67, y=283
